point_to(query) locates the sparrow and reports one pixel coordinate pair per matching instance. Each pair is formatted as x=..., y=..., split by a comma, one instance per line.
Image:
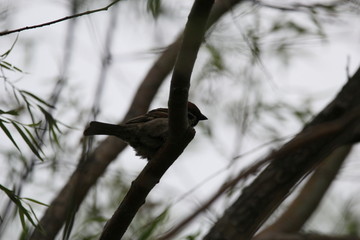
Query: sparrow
x=145, y=133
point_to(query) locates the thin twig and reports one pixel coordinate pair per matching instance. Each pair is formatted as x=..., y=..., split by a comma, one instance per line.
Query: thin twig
x=59, y=20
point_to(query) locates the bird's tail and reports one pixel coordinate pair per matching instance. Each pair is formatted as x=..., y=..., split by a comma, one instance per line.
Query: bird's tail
x=99, y=128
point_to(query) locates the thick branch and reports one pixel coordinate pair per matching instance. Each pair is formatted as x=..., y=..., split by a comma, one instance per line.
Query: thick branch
x=180, y=133
x=140, y=188
x=180, y=82
x=92, y=166
x=310, y=196
x=307, y=236
x=307, y=137
x=271, y=187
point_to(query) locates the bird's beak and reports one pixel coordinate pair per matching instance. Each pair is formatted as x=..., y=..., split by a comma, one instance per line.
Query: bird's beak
x=202, y=117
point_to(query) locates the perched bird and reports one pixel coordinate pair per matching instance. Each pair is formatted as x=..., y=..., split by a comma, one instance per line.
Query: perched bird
x=145, y=133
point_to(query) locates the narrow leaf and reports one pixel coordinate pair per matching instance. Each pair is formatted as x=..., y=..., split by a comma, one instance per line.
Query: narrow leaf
x=36, y=201
x=4, y=66
x=27, y=140
x=7, y=191
x=8, y=134
x=28, y=216
x=13, y=112
x=37, y=98
x=22, y=219
x=4, y=55
x=36, y=144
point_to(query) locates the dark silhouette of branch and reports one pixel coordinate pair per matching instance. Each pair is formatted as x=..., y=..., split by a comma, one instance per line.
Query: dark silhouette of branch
x=59, y=20
x=180, y=133
x=270, y=188
x=308, y=236
x=93, y=165
x=310, y=196
x=309, y=136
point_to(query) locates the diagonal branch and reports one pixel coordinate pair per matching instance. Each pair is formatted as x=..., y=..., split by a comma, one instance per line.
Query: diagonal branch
x=307, y=137
x=59, y=20
x=308, y=236
x=310, y=196
x=94, y=164
x=270, y=188
x=180, y=134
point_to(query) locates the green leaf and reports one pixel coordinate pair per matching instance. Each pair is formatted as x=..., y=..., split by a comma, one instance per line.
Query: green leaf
x=27, y=140
x=193, y=236
x=53, y=126
x=217, y=60
x=23, y=212
x=21, y=216
x=28, y=216
x=5, y=65
x=36, y=98
x=155, y=224
x=8, y=192
x=33, y=140
x=54, y=136
x=28, y=106
x=13, y=112
x=16, y=96
x=9, y=66
x=32, y=125
x=36, y=201
x=17, y=69
x=8, y=134
x=4, y=55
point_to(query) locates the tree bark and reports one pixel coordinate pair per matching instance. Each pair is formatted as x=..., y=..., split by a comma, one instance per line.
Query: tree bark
x=310, y=196
x=270, y=188
x=180, y=132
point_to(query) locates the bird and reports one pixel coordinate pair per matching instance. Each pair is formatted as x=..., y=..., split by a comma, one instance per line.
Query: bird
x=145, y=133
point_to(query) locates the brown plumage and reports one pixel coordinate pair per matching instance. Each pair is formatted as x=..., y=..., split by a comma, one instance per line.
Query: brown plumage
x=145, y=133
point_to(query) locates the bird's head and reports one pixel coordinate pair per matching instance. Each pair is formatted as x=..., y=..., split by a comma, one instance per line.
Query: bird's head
x=194, y=114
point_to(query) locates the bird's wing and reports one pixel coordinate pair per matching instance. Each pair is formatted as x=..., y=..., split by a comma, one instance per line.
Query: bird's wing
x=156, y=113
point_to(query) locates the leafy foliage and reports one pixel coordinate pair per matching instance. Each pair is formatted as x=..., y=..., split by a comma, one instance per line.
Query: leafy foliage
x=23, y=115
x=26, y=103
x=25, y=214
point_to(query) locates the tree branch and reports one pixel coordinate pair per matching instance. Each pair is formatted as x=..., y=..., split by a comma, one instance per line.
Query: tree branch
x=301, y=209
x=180, y=133
x=270, y=188
x=307, y=137
x=307, y=236
x=93, y=165
x=59, y=20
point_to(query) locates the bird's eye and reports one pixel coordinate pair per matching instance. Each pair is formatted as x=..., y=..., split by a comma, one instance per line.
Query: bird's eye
x=192, y=119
